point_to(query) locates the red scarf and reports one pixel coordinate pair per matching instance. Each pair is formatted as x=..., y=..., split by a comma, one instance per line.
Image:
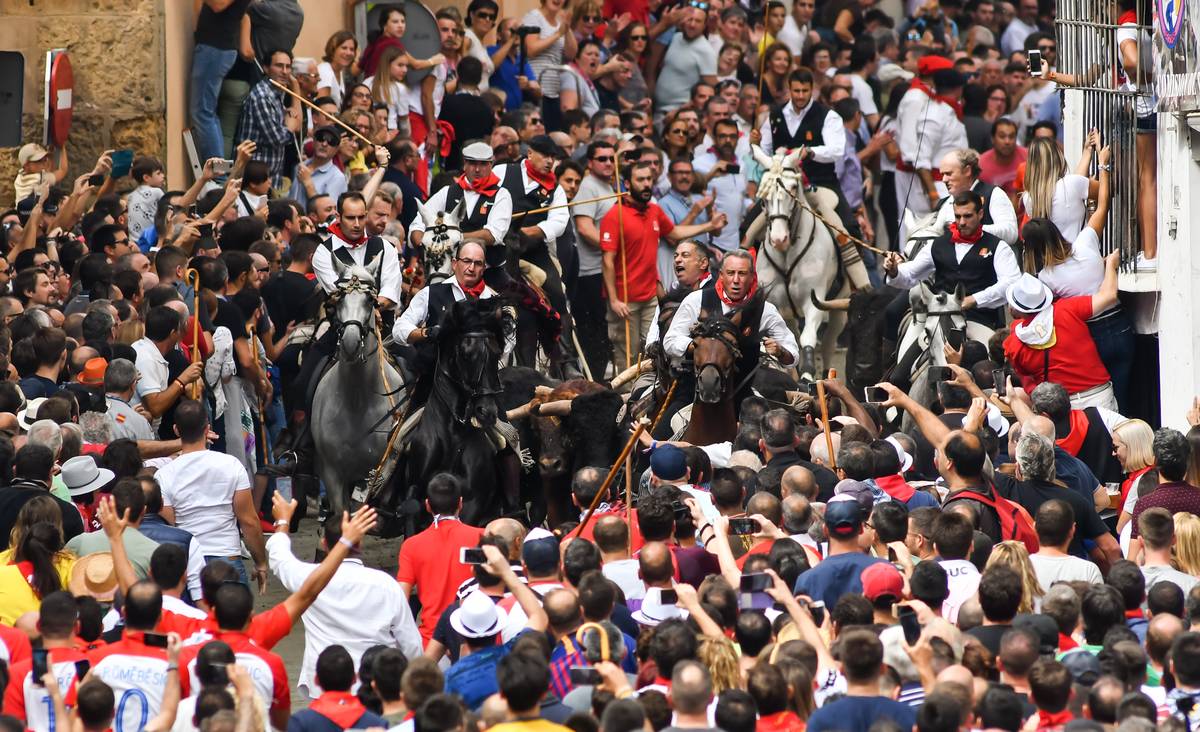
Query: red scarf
x=336, y=230
x=1129, y=16
x=955, y=104
x=1057, y=720
x=1066, y=642
x=896, y=487
x=720, y=287
x=1074, y=439
x=1129, y=483
x=547, y=181
x=340, y=707
x=484, y=186
x=473, y=292
x=1135, y=614
x=26, y=570
x=959, y=238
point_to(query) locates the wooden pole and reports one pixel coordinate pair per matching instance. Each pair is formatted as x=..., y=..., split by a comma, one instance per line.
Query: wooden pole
x=262, y=409
x=825, y=419
x=315, y=108
x=612, y=473
x=192, y=277
x=621, y=243
x=543, y=209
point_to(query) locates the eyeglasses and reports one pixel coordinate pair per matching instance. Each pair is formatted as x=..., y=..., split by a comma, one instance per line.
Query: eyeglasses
x=485, y=16
x=603, y=159
x=469, y=262
x=262, y=269
x=638, y=38
x=535, y=121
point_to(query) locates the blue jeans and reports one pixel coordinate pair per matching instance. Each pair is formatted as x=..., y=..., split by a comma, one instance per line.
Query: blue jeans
x=236, y=562
x=209, y=66
x=1114, y=338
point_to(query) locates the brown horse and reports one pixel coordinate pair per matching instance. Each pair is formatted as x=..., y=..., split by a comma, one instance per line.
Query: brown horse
x=715, y=355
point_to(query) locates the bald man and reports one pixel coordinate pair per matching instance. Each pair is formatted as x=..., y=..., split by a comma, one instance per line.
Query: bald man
x=798, y=480
x=655, y=566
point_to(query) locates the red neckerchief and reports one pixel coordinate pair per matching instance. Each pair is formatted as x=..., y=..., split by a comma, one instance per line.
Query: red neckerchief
x=26, y=570
x=336, y=230
x=1047, y=720
x=1066, y=642
x=896, y=487
x=660, y=681
x=726, y=299
x=340, y=707
x=1135, y=614
x=484, y=186
x=1074, y=439
x=959, y=238
x=473, y=292
x=955, y=104
x=1132, y=481
x=547, y=181
x=785, y=720
x=1129, y=16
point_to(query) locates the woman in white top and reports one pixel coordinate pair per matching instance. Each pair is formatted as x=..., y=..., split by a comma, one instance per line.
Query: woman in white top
x=1133, y=447
x=482, y=17
x=1052, y=192
x=1074, y=269
x=388, y=87
x=550, y=47
x=578, y=87
x=339, y=66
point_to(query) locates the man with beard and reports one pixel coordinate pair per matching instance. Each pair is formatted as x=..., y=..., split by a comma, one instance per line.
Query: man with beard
x=629, y=236
x=689, y=60
x=726, y=182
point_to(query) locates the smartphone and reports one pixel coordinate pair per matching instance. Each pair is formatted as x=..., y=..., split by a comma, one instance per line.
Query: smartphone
x=743, y=526
x=283, y=486
x=468, y=555
x=1035, y=63
x=206, y=230
x=875, y=394
x=155, y=640
x=222, y=167
x=81, y=668
x=41, y=664
x=955, y=338
x=96, y=180
x=817, y=609
x=757, y=582
x=733, y=168
x=908, y=621
x=1000, y=379
x=583, y=676
x=122, y=161
x=940, y=373
x=668, y=597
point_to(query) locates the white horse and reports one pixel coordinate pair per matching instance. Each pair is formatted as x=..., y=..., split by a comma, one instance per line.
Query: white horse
x=442, y=237
x=799, y=259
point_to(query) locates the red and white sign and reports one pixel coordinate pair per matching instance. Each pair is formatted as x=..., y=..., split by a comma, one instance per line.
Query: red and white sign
x=60, y=83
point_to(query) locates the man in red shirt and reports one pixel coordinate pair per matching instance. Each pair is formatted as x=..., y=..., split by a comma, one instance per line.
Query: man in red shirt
x=1050, y=340
x=998, y=166
x=430, y=560
x=629, y=235
x=26, y=698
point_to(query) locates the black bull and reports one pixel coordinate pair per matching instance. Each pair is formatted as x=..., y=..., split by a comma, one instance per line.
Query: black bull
x=865, y=328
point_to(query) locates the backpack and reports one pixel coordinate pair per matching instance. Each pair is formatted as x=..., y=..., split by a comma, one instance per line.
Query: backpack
x=1015, y=522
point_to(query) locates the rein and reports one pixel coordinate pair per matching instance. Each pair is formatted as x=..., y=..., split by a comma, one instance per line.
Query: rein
x=462, y=394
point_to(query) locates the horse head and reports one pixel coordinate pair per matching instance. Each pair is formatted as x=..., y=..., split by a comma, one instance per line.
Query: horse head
x=470, y=345
x=354, y=307
x=778, y=190
x=442, y=237
x=715, y=353
x=921, y=231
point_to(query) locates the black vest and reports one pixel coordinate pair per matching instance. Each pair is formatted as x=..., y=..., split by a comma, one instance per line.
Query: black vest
x=475, y=219
x=1097, y=449
x=808, y=134
x=976, y=271
x=441, y=299
x=374, y=247
x=748, y=337
x=514, y=183
x=985, y=191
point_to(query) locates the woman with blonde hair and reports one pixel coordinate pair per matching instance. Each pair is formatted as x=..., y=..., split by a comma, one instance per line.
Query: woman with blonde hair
x=1133, y=447
x=1052, y=191
x=721, y=659
x=1015, y=556
x=777, y=64
x=1187, y=543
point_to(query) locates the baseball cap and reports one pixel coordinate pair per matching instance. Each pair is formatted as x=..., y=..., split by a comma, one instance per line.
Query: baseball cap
x=881, y=580
x=31, y=152
x=668, y=462
x=545, y=145
x=843, y=517
x=1042, y=626
x=540, y=552
x=1083, y=665
x=858, y=490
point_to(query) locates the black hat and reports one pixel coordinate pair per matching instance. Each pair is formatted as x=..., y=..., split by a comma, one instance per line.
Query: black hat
x=545, y=145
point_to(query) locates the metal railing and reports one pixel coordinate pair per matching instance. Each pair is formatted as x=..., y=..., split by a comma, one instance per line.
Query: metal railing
x=1087, y=49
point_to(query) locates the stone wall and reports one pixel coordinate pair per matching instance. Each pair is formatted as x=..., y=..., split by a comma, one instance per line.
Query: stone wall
x=116, y=50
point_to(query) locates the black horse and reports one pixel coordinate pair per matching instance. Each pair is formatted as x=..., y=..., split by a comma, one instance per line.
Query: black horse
x=455, y=433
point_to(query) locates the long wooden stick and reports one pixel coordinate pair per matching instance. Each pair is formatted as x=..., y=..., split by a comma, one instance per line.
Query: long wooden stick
x=543, y=209
x=192, y=276
x=262, y=407
x=315, y=108
x=825, y=420
x=612, y=473
x=621, y=242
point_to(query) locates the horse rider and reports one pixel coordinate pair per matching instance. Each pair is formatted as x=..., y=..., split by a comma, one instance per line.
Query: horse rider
x=532, y=185
x=487, y=206
x=734, y=288
x=964, y=255
x=960, y=172
x=929, y=125
x=420, y=322
x=818, y=131
x=693, y=271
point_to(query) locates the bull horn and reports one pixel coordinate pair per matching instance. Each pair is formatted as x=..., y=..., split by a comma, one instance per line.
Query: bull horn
x=560, y=408
x=631, y=373
x=520, y=412
x=840, y=304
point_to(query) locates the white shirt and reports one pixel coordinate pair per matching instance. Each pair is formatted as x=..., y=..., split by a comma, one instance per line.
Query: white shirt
x=1015, y=34
x=929, y=130
x=361, y=607
x=389, y=271
x=479, y=51
x=793, y=35
x=199, y=487
x=499, y=216
x=1068, y=205
x=137, y=682
x=336, y=82
x=625, y=573
x=1004, y=261
x=679, y=335
x=179, y=607
x=399, y=105
x=1064, y=569
x=557, y=219
x=703, y=500
x=1082, y=273
x=652, y=333
x=1004, y=217
x=1156, y=573
x=416, y=312
x=833, y=134
x=153, y=374
x=255, y=201
x=963, y=580
x=729, y=198
x=861, y=90
x=416, y=104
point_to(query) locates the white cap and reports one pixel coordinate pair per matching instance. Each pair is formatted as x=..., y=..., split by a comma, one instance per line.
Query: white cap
x=478, y=152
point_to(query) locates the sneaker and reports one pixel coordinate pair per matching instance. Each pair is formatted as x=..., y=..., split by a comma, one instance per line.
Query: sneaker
x=1145, y=264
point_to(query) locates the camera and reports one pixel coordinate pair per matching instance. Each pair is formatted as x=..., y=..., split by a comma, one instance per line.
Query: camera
x=524, y=30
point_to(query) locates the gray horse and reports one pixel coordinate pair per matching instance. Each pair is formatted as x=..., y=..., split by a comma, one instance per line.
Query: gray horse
x=354, y=394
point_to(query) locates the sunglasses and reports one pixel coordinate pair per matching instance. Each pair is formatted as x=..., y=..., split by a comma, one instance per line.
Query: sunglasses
x=677, y=132
x=603, y=159
x=638, y=38
x=535, y=121
x=485, y=16
x=590, y=18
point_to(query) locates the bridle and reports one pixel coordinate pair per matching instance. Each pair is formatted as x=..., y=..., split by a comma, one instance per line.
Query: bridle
x=345, y=287
x=722, y=330
x=471, y=386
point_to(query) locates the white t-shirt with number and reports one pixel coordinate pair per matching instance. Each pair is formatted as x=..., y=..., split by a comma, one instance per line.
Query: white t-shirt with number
x=199, y=486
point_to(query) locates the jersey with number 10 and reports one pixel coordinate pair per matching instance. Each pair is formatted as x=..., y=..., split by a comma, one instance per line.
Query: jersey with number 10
x=137, y=674
x=27, y=700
